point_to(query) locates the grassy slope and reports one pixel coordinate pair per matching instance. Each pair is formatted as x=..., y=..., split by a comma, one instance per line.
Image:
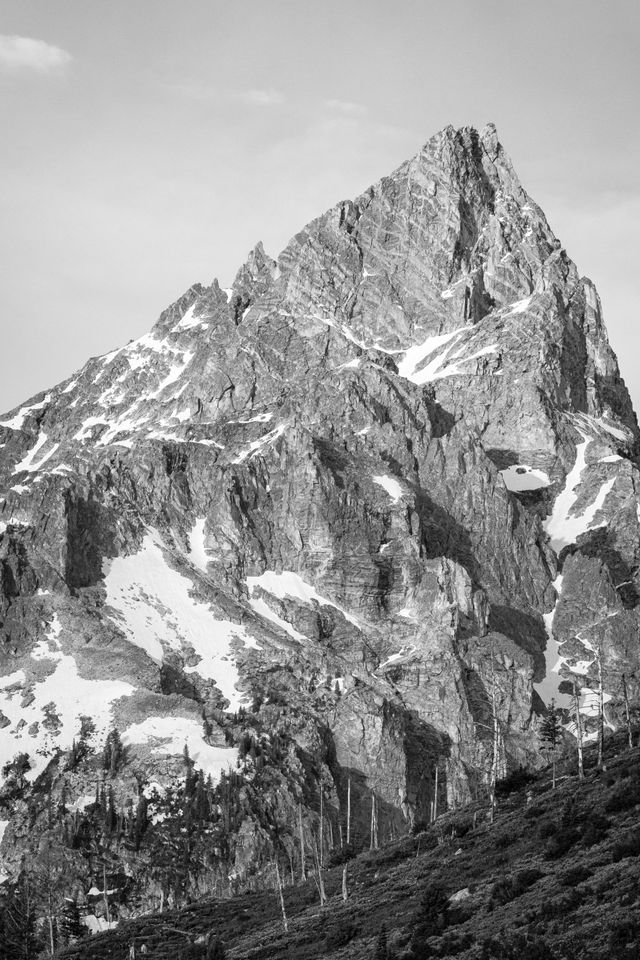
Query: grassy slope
x=582, y=904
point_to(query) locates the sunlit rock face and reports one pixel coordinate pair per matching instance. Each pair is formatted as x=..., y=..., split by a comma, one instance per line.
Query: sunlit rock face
x=381, y=484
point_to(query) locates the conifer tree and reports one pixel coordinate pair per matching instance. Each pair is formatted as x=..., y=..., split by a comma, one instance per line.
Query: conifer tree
x=215, y=949
x=113, y=752
x=111, y=816
x=381, y=944
x=551, y=733
x=71, y=927
x=19, y=937
x=141, y=820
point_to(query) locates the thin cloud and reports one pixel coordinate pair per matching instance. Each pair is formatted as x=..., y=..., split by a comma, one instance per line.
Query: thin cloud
x=347, y=108
x=193, y=91
x=262, y=98
x=26, y=53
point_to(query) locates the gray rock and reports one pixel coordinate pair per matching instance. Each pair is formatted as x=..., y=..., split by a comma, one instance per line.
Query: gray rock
x=304, y=496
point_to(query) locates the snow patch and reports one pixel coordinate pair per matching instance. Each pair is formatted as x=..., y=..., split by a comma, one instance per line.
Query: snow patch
x=257, y=446
x=290, y=584
x=262, y=608
x=176, y=370
x=98, y=924
x=188, y=321
x=16, y=422
x=598, y=424
x=171, y=735
x=63, y=693
x=520, y=305
x=27, y=465
x=402, y=654
x=548, y=687
x=414, y=356
x=259, y=418
x=562, y=528
x=153, y=607
x=82, y=802
x=392, y=487
x=197, y=549
x=522, y=477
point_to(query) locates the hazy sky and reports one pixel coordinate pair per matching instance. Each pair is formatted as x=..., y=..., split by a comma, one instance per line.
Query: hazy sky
x=148, y=144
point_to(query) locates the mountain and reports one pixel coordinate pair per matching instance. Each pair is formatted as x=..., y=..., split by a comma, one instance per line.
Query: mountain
x=555, y=877
x=342, y=530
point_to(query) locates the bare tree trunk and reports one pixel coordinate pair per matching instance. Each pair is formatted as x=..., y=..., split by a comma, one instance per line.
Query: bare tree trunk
x=52, y=946
x=627, y=711
x=321, y=827
x=373, y=840
x=576, y=706
x=49, y=883
x=435, y=795
x=349, y=811
x=318, y=875
x=496, y=741
x=303, y=866
x=285, y=922
x=345, y=892
x=105, y=895
x=600, y=710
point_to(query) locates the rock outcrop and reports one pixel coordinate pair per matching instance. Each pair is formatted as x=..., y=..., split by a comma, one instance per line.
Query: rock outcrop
x=375, y=498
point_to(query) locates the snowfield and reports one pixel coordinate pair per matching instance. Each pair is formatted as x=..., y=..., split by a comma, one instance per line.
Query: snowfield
x=153, y=606
x=289, y=584
x=170, y=734
x=563, y=526
x=52, y=719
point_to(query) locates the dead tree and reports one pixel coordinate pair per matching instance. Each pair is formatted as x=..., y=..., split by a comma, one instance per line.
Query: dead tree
x=303, y=870
x=285, y=922
x=600, y=707
x=318, y=875
x=627, y=712
x=576, y=707
x=373, y=842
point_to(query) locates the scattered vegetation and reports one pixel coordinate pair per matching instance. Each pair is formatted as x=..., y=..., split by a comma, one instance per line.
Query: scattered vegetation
x=530, y=885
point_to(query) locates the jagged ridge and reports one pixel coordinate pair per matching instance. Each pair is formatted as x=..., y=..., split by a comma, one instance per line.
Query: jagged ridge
x=338, y=495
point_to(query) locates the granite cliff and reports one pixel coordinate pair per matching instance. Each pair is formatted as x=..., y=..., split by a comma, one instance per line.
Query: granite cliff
x=336, y=529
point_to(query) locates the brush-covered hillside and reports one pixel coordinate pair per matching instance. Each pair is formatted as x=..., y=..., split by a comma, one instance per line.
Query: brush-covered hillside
x=555, y=877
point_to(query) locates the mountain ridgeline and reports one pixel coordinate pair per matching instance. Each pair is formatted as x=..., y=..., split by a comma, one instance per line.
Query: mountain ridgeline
x=302, y=567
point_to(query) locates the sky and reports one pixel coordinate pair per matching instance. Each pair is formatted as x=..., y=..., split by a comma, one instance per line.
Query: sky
x=148, y=145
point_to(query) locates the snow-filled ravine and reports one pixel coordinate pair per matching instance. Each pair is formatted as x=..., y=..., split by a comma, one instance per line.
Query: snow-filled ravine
x=152, y=604
x=290, y=584
x=564, y=527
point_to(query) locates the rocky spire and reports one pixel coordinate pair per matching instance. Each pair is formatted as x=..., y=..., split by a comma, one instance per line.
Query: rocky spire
x=396, y=466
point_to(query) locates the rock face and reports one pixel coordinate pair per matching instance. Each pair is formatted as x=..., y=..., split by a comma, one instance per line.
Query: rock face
x=376, y=494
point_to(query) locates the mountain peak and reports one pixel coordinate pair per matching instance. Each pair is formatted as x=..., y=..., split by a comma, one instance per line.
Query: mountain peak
x=373, y=499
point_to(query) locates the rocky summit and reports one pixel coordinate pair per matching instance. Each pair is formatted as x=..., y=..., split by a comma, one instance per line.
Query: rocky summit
x=313, y=555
